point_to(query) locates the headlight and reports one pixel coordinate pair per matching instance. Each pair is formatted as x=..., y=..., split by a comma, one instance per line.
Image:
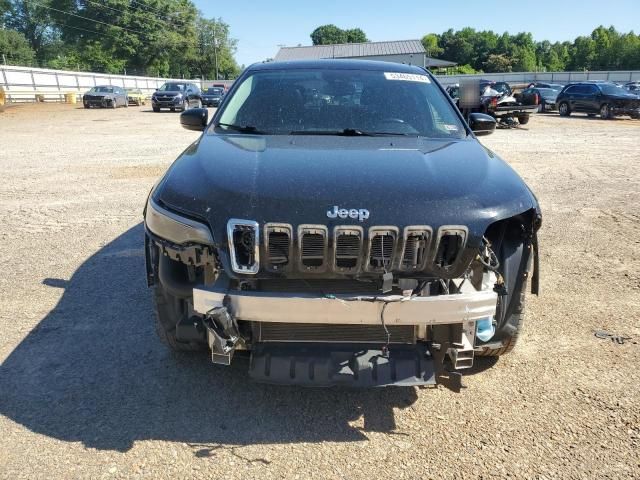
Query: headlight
x=175, y=228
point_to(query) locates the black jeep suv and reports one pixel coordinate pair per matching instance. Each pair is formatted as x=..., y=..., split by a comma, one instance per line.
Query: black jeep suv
x=605, y=99
x=341, y=222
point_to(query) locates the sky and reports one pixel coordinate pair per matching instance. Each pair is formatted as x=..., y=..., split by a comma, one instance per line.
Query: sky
x=261, y=26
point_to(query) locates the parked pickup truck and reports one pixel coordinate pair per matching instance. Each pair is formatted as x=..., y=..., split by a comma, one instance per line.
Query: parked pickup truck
x=493, y=98
x=339, y=221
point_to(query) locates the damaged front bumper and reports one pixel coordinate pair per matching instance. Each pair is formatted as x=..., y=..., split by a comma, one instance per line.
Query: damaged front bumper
x=453, y=317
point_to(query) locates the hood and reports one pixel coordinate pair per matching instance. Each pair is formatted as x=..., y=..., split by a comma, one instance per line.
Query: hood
x=297, y=179
x=99, y=94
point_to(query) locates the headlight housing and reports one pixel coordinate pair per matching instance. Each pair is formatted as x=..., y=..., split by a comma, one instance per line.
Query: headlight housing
x=175, y=228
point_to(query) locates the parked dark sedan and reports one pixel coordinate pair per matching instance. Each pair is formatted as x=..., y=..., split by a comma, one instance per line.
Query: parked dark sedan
x=176, y=96
x=105, y=96
x=212, y=97
x=545, y=98
x=606, y=99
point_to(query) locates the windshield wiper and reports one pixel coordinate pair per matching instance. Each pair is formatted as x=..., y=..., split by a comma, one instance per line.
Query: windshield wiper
x=347, y=132
x=240, y=128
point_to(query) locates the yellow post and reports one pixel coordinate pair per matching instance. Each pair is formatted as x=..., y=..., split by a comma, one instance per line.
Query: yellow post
x=2, y=96
x=70, y=97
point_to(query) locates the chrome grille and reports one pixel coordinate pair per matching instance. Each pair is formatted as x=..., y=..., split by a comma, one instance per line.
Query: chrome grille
x=347, y=248
x=450, y=245
x=244, y=238
x=382, y=242
x=277, y=246
x=313, y=247
x=311, y=332
x=416, y=246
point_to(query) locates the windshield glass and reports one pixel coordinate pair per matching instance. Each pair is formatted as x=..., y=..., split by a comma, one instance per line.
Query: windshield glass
x=609, y=89
x=102, y=89
x=549, y=92
x=317, y=101
x=173, y=87
x=214, y=91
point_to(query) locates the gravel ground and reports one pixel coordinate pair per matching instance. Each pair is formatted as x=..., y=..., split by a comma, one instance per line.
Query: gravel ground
x=87, y=390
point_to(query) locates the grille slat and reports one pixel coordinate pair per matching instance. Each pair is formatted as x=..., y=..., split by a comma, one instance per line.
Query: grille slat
x=313, y=248
x=348, y=248
x=278, y=248
x=381, y=250
x=415, y=249
x=309, y=332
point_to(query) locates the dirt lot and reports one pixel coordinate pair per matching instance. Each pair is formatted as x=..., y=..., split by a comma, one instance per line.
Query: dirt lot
x=87, y=390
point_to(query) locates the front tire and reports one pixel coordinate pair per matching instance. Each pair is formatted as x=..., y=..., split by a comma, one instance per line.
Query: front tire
x=169, y=311
x=523, y=119
x=185, y=105
x=605, y=112
x=156, y=109
x=564, y=109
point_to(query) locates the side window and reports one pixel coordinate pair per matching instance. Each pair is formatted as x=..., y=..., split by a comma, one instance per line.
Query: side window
x=593, y=90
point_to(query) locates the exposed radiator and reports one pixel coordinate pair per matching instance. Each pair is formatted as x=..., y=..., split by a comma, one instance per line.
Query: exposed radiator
x=305, y=332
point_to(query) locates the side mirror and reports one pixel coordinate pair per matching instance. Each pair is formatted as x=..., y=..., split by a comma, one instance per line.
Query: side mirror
x=195, y=119
x=482, y=124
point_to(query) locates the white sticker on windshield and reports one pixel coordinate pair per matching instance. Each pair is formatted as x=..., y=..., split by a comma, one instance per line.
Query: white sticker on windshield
x=407, y=77
x=450, y=127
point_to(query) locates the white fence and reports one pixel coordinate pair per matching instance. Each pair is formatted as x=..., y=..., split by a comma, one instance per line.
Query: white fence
x=24, y=83
x=551, y=77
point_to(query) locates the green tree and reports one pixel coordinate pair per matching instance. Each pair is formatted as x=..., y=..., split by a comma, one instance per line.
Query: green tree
x=328, y=35
x=15, y=48
x=215, y=50
x=355, y=35
x=331, y=35
x=31, y=19
x=498, y=64
x=430, y=44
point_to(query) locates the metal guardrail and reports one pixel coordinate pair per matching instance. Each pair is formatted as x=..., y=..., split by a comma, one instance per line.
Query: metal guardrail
x=550, y=77
x=22, y=84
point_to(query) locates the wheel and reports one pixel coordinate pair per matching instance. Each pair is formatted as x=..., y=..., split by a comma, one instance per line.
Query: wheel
x=523, y=119
x=126, y=103
x=169, y=310
x=87, y=106
x=605, y=112
x=541, y=108
x=515, y=320
x=172, y=109
x=156, y=109
x=199, y=104
x=564, y=109
x=185, y=105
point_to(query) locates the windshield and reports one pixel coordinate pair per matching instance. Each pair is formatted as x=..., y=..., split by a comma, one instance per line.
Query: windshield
x=214, y=91
x=321, y=101
x=173, y=87
x=548, y=92
x=102, y=90
x=609, y=89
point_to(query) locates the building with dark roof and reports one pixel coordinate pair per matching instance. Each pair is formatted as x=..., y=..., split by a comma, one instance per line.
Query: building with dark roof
x=410, y=52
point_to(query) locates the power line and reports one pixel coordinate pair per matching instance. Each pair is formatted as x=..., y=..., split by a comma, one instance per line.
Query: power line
x=129, y=12
x=157, y=10
x=89, y=19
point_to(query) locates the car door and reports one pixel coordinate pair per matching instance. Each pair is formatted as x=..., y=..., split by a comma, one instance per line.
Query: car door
x=575, y=96
x=589, y=99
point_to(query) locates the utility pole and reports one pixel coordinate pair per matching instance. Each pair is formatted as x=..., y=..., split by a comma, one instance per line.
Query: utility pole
x=215, y=46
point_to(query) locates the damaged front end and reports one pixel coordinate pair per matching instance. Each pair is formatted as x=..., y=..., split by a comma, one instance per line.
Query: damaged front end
x=400, y=306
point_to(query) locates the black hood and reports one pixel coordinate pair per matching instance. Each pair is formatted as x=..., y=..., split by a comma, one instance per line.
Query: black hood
x=99, y=94
x=296, y=180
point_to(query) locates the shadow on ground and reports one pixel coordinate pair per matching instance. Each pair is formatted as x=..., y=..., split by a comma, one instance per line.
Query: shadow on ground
x=93, y=371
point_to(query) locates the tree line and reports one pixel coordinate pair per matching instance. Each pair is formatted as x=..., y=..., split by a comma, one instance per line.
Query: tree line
x=168, y=38
x=487, y=51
